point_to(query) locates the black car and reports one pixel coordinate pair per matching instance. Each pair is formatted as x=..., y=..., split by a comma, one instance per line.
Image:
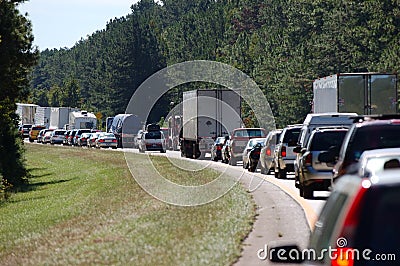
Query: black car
x=254, y=157
x=216, y=149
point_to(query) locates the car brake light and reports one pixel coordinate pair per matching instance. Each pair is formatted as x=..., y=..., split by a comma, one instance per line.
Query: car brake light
x=257, y=153
x=101, y=140
x=283, y=151
x=114, y=140
x=268, y=152
x=219, y=148
x=83, y=139
x=308, y=159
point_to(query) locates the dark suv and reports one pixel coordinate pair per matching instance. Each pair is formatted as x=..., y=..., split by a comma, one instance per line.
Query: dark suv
x=367, y=133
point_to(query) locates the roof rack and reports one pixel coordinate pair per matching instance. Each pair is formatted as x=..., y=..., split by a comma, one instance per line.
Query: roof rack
x=361, y=118
x=332, y=127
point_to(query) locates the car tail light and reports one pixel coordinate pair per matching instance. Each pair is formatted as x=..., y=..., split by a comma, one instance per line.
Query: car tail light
x=308, y=159
x=219, y=147
x=257, y=152
x=101, y=140
x=268, y=152
x=344, y=254
x=283, y=151
x=83, y=139
x=114, y=140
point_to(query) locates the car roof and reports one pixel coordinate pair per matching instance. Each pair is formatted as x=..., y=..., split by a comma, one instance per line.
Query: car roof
x=373, y=122
x=380, y=152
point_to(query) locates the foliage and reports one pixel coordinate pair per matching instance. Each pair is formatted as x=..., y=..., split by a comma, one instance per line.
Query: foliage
x=17, y=57
x=282, y=45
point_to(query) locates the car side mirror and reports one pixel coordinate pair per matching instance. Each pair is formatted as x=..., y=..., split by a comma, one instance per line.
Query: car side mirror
x=297, y=149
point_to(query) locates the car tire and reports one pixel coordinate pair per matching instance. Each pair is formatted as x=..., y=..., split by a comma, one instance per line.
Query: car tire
x=30, y=140
x=276, y=172
x=308, y=193
x=282, y=173
x=163, y=151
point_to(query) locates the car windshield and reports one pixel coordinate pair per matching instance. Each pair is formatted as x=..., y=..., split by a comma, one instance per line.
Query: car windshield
x=373, y=137
x=219, y=140
x=322, y=141
x=153, y=135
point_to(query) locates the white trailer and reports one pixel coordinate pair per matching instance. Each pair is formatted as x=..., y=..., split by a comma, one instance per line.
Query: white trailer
x=208, y=114
x=82, y=120
x=42, y=116
x=362, y=93
x=59, y=116
x=26, y=113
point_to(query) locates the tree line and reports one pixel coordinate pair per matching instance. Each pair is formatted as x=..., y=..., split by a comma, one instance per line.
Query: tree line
x=282, y=45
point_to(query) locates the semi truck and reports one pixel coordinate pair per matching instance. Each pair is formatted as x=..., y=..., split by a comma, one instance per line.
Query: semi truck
x=26, y=113
x=361, y=93
x=59, y=116
x=208, y=114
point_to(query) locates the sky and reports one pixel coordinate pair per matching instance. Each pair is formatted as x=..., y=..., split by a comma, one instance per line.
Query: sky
x=62, y=23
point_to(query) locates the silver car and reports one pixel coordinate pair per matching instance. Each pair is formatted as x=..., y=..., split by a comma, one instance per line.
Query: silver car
x=373, y=162
x=284, y=155
x=267, y=152
x=106, y=140
x=313, y=174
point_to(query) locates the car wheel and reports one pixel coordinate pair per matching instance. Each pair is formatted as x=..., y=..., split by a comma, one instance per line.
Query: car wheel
x=163, y=151
x=30, y=140
x=308, y=193
x=276, y=172
x=282, y=173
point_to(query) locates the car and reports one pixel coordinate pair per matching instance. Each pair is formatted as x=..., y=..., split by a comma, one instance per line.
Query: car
x=34, y=132
x=24, y=130
x=83, y=139
x=47, y=137
x=71, y=137
x=57, y=136
x=284, y=155
x=373, y=162
x=313, y=121
x=41, y=135
x=267, y=152
x=152, y=141
x=78, y=134
x=225, y=151
x=66, y=137
x=91, y=142
x=249, y=146
x=314, y=175
x=254, y=156
x=239, y=139
x=216, y=149
x=106, y=140
x=358, y=222
x=367, y=133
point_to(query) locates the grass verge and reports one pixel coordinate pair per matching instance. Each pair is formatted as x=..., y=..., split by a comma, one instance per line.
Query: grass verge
x=83, y=207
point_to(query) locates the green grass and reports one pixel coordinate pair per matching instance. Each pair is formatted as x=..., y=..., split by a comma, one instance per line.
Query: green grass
x=84, y=208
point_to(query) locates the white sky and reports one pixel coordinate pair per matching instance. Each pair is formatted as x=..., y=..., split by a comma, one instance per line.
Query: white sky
x=62, y=23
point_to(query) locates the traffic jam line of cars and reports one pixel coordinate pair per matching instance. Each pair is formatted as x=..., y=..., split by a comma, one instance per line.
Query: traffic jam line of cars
x=357, y=159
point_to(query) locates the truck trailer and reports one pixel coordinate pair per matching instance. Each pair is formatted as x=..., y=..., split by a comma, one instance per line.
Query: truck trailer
x=361, y=93
x=42, y=116
x=26, y=113
x=208, y=114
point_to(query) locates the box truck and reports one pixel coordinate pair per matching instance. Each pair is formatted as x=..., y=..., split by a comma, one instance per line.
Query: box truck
x=361, y=93
x=208, y=114
x=42, y=116
x=26, y=113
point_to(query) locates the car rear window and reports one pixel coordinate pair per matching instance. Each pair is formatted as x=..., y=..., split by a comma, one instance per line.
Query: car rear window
x=379, y=222
x=291, y=134
x=373, y=137
x=322, y=141
x=153, y=135
x=59, y=132
x=249, y=133
x=37, y=128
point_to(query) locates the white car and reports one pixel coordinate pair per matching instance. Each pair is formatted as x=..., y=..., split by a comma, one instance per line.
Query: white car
x=373, y=162
x=106, y=140
x=152, y=141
